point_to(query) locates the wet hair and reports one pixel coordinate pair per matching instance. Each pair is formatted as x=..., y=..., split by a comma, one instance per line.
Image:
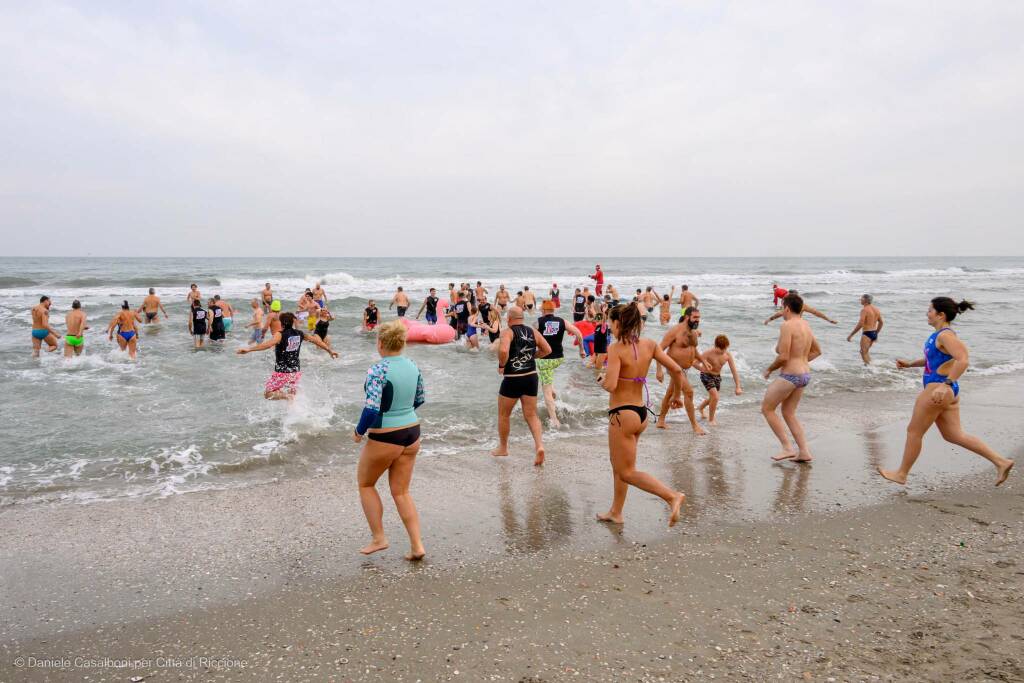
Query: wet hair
x=526, y=287
x=950, y=308
x=392, y=336
x=287, y=319
x=152, y=291
x=686, y=287
x=43, y=298
x=629, y=319
x=665, y=297
x=867, y=297
x=591, y=298
x=519, y=293
x=399, y=289
x=793, y=302
x=722, y=342
x=76, y=304
x=124, y=305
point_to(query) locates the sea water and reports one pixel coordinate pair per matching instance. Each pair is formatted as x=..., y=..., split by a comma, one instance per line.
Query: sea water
x=176, y=420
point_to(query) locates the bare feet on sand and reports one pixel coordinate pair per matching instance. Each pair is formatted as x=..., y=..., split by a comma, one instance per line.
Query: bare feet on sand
x=674, y=509
x=374, y=547
x=498, y=452
x=1004, y=472
x=785, y=455
x=893, y=476
x=610, y=518
x=660, y=424
x=698, y=430
x=539, y=460
x=713, y=423
x=416, y=556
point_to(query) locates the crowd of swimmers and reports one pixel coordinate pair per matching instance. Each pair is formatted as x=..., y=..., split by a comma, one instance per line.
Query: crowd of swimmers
x=528, y=356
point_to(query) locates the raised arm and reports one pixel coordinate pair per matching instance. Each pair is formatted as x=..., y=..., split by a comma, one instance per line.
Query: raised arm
x=262, y=346
x=773, y=316
x=316, y=341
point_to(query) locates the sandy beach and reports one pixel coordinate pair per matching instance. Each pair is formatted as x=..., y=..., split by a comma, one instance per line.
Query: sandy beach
x=776, y=570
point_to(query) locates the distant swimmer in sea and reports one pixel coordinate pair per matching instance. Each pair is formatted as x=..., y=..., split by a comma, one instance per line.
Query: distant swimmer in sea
x=553, y=329
x=75, y=327
x=459, y=312
x=216, y=318
x=488, y=320
x=370, y=316
x=649, y=299
x=127, y=334
x=273, y=320
x=430, y=306
x=687, y=300
x=255, y=325
x=267, y=296
x=287, y=344
x=197, y=323
x=555, y=295
x=629, y=360
x=394, y=390
x=579, y=306
x=945, y=361
x=529, y=298
x=41, y=330
x=680, y=343
x=193, y=295
x=598, y=278
x=807, y=309
x=151, y=307
x=323, y=322
x=229, y=312
x=319, y=295
x=869, y=325
x=518, y=350
x=665, y=305
x=796, y=348
x=711, y=376
x=778, y=294
x=400, y=301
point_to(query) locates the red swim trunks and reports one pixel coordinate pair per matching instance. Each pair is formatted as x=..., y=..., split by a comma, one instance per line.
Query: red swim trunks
x=283, y=381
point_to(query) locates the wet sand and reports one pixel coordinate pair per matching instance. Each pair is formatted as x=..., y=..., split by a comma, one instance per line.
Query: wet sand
x=820, y=571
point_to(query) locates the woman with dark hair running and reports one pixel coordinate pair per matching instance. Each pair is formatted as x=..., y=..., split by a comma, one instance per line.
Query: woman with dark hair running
x=945, y=361
x=629, y=360
x=127, y=334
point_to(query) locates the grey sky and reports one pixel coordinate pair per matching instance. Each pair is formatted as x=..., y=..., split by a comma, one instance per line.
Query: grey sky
x=551, y=128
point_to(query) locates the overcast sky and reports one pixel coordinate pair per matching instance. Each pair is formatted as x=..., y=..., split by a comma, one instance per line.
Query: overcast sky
x=523, y=128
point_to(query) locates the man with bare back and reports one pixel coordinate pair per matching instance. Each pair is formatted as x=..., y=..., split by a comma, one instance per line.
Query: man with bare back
x=680, y=343
x=796, y=348
x=869, y=325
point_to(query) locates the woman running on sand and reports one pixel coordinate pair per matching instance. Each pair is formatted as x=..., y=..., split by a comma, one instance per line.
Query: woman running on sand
x=945, y=361
x=629, y=359
x=394, y=389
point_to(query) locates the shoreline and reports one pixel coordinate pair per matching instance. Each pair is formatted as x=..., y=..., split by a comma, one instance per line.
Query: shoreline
x=100, y=577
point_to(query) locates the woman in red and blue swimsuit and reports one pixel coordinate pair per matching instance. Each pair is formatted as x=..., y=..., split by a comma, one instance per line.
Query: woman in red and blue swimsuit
x=945, y=361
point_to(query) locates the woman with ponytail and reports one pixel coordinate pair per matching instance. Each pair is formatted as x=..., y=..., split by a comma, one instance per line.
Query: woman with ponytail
x=945, y=361
x=629, y=360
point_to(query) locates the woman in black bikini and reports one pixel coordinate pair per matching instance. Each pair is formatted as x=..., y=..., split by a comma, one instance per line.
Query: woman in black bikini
x=629, y=359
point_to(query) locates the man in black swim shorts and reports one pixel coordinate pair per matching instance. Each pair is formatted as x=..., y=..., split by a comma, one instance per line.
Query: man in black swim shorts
x=519, y=348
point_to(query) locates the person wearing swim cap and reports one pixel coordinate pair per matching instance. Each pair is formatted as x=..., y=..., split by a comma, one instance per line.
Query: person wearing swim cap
x=41, y=330
x=74, y=323
x=287, y=344
x=272, y=322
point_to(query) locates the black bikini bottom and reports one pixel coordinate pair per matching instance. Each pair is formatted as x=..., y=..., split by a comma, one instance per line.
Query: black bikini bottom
x=639, y=410
x=400, y=437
